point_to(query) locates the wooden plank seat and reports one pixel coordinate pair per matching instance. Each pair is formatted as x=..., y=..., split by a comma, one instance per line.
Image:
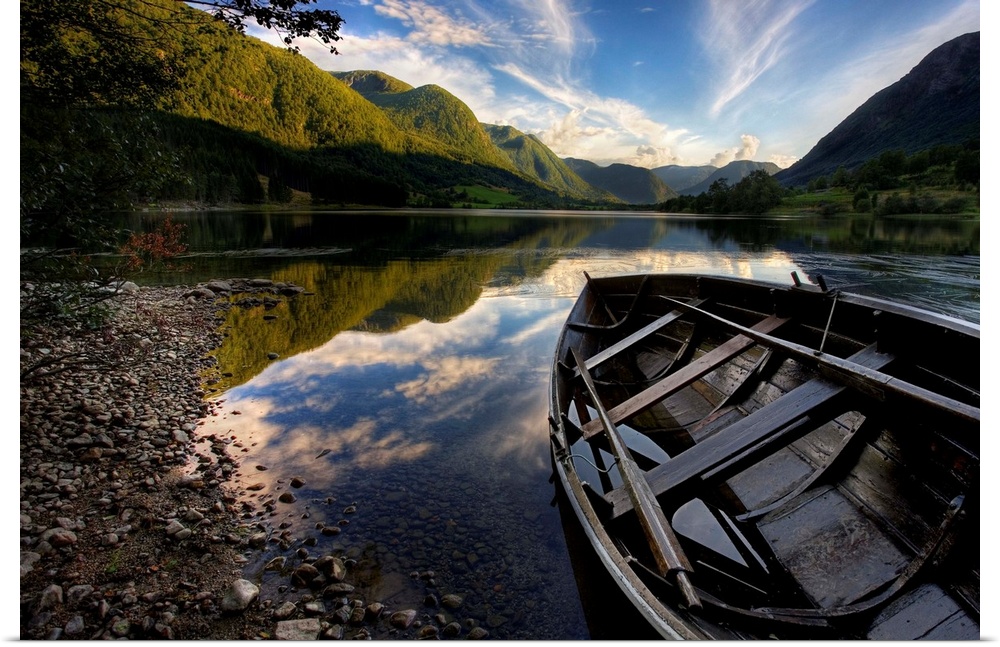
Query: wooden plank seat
x=763, y=431
x=683, y=377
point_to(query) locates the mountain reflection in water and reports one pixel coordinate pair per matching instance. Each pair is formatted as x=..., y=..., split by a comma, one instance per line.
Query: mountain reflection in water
x=411, y=392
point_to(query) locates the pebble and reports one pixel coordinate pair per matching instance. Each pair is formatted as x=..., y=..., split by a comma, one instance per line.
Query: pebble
x=478, y=633
x=285, y=610
x=74, y=626
x=304, y=575
x=451, y=601
x=52, y=597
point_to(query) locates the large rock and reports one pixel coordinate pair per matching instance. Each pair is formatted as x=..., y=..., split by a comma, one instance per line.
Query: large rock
x=219, y=286
x=200, y=293
x=302, y=629
x=403, y=619
x=239, y=596
x=59, y=537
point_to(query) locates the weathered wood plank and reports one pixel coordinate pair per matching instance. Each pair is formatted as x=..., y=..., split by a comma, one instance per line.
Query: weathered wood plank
x=889, y=490
x=872, y=382
x=767, y=425
x=683, y=376
x=914, y=615
x=634, y=338
x=836, y=553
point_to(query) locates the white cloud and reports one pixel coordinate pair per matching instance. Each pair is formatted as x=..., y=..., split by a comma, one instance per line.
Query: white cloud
x=653, y=157
x=749, y=147
x=431, y=25
x=601, y=129
x=783, y=161
x=746, y=39
x=747, y=150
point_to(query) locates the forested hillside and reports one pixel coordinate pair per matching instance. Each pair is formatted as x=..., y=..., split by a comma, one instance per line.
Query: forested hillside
x=243, y=121
x=531, y=156
x=432, y=113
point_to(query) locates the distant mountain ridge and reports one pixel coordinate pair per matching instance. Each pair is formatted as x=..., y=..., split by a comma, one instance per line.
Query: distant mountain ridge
x=256, y=112
x=937, y=102
x=732, y=173
x=369, y=82
x=679, y=178
x=632, y=184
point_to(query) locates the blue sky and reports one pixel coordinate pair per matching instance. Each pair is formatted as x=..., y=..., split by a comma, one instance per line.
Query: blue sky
x=651, y=82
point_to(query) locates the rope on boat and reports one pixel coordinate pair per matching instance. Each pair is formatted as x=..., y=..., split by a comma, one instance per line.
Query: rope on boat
x=604, y=471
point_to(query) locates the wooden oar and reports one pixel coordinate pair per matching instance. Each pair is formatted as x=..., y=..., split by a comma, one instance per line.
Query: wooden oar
x=667, y=551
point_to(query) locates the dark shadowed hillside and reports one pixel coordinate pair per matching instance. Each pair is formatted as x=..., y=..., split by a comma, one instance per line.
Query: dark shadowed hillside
x=632, y=184
x=732, y=172
x=936, y=103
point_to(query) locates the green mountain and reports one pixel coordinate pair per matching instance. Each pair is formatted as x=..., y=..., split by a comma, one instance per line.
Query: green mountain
x=936, y=103
x=632, y=184
x=679, y=178
x=369, y=82
x=246, y=109
x=732, y=172
x=535, y=159
x=432, y=113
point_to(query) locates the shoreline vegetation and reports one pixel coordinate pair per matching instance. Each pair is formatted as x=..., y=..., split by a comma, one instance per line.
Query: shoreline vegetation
x=131, y=521
x=831, y=202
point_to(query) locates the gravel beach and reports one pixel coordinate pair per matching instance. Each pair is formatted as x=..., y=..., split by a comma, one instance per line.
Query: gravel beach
x=131, y=520
x=122, y=532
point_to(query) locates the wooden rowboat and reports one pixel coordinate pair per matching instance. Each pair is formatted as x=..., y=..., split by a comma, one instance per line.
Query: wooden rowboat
x=752, y=460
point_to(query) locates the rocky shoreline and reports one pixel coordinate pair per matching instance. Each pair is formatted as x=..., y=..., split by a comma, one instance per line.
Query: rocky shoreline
x=118, y=538
x=129, y=524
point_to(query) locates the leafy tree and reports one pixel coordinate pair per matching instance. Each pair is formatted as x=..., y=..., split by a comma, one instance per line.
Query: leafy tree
x=277, y=190
x=718, y=195
x=817, y=184
x=756, y=193
x=918, y=162
x=862, y=201
x=893, y=161
x=967, y=167
x=90, y=72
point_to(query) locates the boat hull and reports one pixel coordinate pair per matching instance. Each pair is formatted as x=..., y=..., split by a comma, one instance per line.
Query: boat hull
x=755, y=416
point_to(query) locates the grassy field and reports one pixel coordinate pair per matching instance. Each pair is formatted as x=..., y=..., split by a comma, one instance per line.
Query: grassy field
x=482, y=197
x=841, y=200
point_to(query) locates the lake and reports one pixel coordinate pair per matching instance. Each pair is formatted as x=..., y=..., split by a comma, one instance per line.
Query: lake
x=410, y=390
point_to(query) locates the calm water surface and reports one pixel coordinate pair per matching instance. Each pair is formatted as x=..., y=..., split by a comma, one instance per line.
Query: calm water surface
x=410, y=394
